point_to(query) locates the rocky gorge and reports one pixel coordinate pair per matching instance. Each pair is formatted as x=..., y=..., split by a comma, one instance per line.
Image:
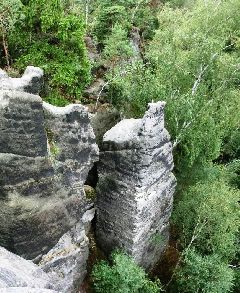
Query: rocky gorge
x=46, y=154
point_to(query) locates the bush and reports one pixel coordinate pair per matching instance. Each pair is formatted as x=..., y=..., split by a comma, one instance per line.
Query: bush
x=52, y=37
x=128, y=13
x=117, y=50
x=123, y=276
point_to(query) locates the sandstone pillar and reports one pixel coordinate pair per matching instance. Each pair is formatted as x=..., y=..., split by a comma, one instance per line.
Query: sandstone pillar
x=136, y=186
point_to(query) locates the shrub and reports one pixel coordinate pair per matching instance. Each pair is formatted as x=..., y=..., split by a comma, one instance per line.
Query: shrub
x=53, y=38
x=129, y=13
x=123, y=276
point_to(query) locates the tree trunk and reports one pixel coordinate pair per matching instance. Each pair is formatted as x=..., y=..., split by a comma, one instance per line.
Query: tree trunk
x=5, y=48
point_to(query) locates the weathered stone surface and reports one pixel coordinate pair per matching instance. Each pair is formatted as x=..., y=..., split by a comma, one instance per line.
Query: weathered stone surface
x=46, y=153
x=30, y=82
x=136, y=186
x=63, y=268
x=66, y=262
x=103, y=120
x=18, y=272
x=26, y=290
x=22, y=124
x=72, y=139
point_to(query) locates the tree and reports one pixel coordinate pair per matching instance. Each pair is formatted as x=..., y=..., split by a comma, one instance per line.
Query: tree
x=208, y=218
x=206, y=274
x=10, y=13
x=52, y=37
x=124, y=276
x=192, y=65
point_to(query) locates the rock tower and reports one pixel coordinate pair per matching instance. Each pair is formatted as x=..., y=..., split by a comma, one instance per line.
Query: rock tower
x=136, y=186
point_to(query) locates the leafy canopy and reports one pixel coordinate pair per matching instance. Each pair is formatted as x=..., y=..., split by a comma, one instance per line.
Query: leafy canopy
x=192, y=65
x=206, y=274
x=124, y=276
x=52, y=37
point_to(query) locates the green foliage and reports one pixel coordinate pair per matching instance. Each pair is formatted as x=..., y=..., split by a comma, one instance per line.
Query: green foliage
x=10, y=14
x=193, y=66
x=124, y=276
x=231, y=145
x=237, y=280
x=233, y=169
x=53, y=40
x=90, y=192
x=157, y=239
x=53, y=148
x=107, y=17
x=129, y=13
x=208, y=218
x=206, y=274
x=130, y=90
x=117, y=47
x=10, y=11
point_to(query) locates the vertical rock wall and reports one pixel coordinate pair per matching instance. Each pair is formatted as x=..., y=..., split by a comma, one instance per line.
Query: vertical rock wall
x=136, y=186
x=45, y=155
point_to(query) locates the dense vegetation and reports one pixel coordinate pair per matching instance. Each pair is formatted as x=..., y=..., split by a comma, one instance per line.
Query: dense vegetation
x=184, y=52
x=123, y=276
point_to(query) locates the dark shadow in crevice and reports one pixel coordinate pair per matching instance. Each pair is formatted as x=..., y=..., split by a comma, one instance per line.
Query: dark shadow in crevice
x=92, y=178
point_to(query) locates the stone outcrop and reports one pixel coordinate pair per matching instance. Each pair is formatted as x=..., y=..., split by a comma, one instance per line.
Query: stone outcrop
x=63, y=268
x=16, y=272
x=66, y=262
x=46, y=153
x=30, y=82
x=136, y=186
x=103, y=120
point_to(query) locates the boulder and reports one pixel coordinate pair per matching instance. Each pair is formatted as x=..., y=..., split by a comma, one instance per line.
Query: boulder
x=136, y=186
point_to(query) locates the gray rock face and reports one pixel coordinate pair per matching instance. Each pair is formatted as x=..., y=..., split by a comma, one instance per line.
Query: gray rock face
x=63, y=268
x=45, y=155
x=66, y=262
x=26, y=290
x=18, y=272
x=136, y=186
x=102, y=121
x=30, y=82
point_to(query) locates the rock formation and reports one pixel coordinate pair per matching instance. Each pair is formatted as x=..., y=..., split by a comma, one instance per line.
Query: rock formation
x=63, y=268
x=30, y=82
x=46, y=153
x=66, y=262
x=16, y=272
x=136, y=186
